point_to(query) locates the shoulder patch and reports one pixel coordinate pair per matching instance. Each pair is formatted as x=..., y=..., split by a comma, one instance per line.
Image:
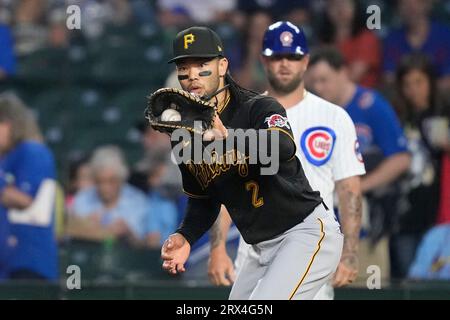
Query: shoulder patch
x=317, y=144
x=277, y=120
x=358, y=152
x=365, y=136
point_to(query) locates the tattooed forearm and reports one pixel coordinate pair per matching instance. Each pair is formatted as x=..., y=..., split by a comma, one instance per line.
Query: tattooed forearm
x=350, y=209
x=216, y=236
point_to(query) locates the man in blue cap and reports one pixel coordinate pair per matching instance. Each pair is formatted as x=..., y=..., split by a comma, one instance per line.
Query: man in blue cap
x=295, y=241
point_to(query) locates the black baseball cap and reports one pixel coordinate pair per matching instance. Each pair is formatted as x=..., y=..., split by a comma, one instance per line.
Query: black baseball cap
x=197, y=42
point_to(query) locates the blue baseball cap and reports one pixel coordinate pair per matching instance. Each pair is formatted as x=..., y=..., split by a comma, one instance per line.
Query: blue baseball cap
x=283, y=37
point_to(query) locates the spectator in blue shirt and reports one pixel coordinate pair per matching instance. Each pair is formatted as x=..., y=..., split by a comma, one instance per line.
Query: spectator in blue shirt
x=432, y=260
x=419, y=33
x=377, y=126
x=7, y=59
x=27, y=198
x=111, y=208
x=382, y=143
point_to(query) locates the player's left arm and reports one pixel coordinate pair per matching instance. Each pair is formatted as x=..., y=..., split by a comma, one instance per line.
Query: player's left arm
x=200, y=216
x=220, y=265
x=350, y=210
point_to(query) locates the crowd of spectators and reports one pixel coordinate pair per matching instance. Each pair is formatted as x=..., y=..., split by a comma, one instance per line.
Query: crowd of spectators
x=393, y=80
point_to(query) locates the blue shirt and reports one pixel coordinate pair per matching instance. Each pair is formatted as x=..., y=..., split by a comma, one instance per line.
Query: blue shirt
x=4, y=228
x=33, y=245
x=436, y=46
x=163, y=216
x=377, y=125
x=7, y=59
x=132, y=207
x=432, y=260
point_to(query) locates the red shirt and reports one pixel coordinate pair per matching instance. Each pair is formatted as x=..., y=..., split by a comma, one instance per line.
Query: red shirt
x=444, y=206
x=365, y=47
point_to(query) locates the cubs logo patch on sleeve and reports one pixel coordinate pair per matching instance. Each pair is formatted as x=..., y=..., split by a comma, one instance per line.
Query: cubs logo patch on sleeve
x=317, y=144
x=277, y=120
x=358, y=152
x=365, y=137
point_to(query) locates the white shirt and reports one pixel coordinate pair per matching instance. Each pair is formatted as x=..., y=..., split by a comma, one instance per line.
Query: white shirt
x=326, y=143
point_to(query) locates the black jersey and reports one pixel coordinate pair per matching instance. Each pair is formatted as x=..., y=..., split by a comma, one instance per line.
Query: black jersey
x=261, y=206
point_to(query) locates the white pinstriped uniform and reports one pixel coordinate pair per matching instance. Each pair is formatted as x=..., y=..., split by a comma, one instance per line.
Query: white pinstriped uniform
x=322, y=168
x=328, y=150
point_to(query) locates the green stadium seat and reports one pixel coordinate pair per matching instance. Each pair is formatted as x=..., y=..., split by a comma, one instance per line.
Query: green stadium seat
x=79, y=67
x=132, y=103
x=43, y=66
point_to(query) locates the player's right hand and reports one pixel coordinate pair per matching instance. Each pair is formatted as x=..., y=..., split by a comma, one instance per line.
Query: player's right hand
x=175, y=252
x=220, y=268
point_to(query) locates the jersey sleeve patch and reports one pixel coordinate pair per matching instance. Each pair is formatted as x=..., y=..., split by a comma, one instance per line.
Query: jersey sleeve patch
x=317, y=144
x=277, y=120
x=358, y=152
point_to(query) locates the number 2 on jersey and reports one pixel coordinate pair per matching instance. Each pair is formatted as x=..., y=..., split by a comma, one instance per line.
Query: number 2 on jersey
x=254, y=187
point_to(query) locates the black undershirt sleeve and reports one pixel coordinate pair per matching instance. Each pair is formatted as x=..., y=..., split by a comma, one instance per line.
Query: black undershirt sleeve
x=200, y=216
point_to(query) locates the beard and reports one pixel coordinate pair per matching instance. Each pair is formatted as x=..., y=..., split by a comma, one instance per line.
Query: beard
x=284, y=87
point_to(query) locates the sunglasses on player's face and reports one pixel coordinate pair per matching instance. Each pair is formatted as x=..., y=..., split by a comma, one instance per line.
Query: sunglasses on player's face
x=290, y=57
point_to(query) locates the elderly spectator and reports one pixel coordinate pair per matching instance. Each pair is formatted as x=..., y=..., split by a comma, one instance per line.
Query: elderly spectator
x=156, y=175
x=111, y=208
x=165, y=188
x=27, y=196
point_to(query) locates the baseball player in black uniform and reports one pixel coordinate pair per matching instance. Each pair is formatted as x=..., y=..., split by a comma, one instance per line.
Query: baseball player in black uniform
x=296, y=242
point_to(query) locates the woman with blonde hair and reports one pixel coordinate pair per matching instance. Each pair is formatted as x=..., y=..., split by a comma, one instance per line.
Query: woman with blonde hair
x=27, y=194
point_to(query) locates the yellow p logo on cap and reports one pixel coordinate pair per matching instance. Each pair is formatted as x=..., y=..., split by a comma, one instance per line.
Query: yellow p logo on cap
x=188, y=39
